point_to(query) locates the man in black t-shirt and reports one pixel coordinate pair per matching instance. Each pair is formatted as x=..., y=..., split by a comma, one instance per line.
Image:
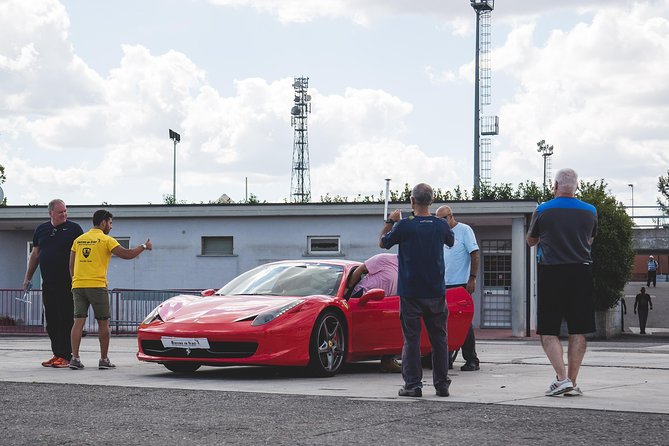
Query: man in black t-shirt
x=641, y=303
x=52, y=242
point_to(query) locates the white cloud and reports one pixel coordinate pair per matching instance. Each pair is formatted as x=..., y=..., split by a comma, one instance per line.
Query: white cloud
x=588, y=92
x=364, y=167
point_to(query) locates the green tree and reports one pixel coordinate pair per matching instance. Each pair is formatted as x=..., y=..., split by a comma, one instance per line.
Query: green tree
x=663, y=188
x=612, y=252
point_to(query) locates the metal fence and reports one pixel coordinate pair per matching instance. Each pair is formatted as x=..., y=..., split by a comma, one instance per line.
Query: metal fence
x=24, y=314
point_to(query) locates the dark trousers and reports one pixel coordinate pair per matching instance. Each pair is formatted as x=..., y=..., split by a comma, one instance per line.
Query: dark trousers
x=469, y=347
x=652, y=276
x=58, y=312
x=434, y=313
x=643, y=318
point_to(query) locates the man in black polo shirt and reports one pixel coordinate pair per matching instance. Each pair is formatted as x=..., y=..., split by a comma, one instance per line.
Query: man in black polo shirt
x=421, y=239
x=52, y=242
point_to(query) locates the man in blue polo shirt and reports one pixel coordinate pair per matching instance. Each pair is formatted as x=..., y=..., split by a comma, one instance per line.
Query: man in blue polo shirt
x=421, y=238
x=564, y=229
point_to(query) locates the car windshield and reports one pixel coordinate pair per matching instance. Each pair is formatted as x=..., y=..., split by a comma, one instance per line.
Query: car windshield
x=287, y=279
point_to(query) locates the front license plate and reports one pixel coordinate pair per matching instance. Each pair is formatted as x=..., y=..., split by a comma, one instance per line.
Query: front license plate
x=184, y=342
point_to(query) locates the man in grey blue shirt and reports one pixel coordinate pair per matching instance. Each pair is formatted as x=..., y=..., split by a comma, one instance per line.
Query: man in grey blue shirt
x=421, y=238
x=564, y=229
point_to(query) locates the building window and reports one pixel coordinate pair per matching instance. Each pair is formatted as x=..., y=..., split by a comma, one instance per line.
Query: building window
x=496, y=289
x=323, y=244
x=123, y=241
x=217, y=246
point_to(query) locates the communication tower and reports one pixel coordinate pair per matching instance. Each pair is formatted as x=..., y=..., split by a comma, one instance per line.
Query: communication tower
x=483, y=125
x=300, y=180
x=546, y=151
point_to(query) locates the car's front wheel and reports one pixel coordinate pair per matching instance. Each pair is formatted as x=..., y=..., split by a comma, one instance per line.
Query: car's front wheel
x=181, y=367
x=327, y=346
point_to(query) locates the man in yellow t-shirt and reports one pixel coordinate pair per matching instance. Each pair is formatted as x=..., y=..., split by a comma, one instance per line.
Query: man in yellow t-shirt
x=89, y=259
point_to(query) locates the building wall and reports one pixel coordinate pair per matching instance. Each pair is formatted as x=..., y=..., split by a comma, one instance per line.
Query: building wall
x=260, y=234
x=13, y=260
x=176, y=260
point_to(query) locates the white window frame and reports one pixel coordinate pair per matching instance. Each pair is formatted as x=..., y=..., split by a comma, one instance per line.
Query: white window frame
x=311, y=239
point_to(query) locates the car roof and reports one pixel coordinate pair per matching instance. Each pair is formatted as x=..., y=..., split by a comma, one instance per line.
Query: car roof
x=338, y=262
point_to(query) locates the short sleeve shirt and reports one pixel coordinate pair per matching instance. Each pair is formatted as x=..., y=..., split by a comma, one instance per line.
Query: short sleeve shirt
x=457, y=258
x=92, y=254
x=54, y=244
x=421, y=255
x=382, y=273
x=564, y=226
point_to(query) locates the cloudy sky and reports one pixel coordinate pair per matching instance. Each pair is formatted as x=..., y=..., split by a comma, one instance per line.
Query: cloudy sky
x=89, y=89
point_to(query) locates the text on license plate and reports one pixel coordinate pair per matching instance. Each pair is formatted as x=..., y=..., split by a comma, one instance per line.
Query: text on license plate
x=169, y=341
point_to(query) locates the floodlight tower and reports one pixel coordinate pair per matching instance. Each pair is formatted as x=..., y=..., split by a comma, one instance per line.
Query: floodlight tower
x=546, y=151
x=483, y=125
x=300, y=180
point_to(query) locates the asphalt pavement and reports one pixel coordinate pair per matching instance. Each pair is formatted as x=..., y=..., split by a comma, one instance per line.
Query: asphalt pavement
x=626, y=385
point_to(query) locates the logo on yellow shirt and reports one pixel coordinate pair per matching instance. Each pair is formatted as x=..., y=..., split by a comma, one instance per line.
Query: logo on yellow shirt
x=86, y=252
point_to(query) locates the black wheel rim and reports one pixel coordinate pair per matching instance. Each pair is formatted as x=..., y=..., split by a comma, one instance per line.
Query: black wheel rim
x=331, y=343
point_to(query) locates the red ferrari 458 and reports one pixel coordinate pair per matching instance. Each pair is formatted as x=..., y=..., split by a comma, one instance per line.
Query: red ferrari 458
x=289, y=313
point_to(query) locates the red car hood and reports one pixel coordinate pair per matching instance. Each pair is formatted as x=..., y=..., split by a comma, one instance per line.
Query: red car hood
x=219, y=309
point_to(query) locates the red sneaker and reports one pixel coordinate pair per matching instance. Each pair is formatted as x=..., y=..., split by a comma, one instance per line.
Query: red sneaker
x=61, y=363
x=50, y=362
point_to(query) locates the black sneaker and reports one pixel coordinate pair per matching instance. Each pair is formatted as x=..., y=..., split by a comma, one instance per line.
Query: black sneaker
x=443, y=392
x=415, y=392
x=470, y=367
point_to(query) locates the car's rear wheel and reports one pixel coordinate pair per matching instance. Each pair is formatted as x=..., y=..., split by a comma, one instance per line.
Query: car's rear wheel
x=327, y=346
x=181, y=367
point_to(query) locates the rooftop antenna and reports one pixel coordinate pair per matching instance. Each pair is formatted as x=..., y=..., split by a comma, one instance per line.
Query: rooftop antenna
x=300, y=180
x=483, y=125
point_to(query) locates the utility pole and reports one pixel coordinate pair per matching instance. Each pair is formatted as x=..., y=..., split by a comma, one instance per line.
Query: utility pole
x=174, y=136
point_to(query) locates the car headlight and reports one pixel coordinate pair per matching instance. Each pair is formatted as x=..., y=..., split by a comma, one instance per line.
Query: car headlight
x=270, y=315
x=153, y=316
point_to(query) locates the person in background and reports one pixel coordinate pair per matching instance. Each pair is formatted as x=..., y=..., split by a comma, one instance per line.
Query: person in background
x=564, y=228
x=420, y=284
x=641, y=303
x=652, y=271
x=89, y=260
x=462, y=265
x=379, y=271
x=51, y=250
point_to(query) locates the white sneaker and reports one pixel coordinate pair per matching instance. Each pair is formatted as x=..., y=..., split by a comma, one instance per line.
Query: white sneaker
x=559, y=387
x=576, y=391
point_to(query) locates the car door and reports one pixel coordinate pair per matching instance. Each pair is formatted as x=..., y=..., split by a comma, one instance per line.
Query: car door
x=375, y=326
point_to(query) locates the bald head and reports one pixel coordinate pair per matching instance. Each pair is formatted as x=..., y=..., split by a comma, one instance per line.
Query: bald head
x=446, y=213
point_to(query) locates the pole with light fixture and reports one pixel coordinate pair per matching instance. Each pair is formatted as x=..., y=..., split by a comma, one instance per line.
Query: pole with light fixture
x=546, y=151
x=632, y=207
x=174, y=136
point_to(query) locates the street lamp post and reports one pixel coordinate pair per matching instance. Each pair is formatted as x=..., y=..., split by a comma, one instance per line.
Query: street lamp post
x=632, y=206
x=174, y=136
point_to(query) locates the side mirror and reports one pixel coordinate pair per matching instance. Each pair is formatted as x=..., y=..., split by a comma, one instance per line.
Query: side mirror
x=208, y=292
x=373, y=294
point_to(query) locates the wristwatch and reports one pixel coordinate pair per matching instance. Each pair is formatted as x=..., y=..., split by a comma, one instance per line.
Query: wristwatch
x=144, y=246
x=390, y=221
